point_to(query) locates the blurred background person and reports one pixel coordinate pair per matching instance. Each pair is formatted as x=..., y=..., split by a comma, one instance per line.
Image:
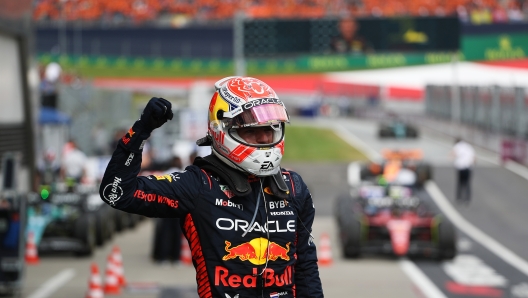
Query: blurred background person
x=49, y=79
x=348, y=40
x=464, y=159
x=48, y=169
x=73, y=162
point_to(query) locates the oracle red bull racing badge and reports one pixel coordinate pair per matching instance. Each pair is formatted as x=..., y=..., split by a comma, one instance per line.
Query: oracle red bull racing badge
x=256, y=251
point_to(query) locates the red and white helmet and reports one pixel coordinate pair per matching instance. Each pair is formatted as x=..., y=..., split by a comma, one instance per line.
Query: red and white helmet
x=245, y=102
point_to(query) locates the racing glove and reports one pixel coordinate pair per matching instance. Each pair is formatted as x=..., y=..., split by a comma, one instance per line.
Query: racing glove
x=155, y=114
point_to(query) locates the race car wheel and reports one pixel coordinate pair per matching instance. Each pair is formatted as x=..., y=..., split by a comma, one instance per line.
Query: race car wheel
x=343, y=207
x=365, y=172
x=351, y=237
x=85, y=231
x=121, y=220
x=110, y=224
x=100, y=228
x=349, y=226
x=384, y=132
x=423, y=173
x=446, y=240
x=412, y=132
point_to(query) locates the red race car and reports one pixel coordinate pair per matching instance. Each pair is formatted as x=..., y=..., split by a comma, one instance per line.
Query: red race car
x=389, y=219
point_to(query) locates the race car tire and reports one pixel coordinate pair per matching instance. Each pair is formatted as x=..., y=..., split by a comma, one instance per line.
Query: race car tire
x=100, y=228
x=446, y=240
x=85, y=231
x=423, y=173
x=134, y=220
x=412, y=132
x=364, y=173
x=349, y=226
x=351, y=237
x=343, y=207
x=110, y=224
x=385, y=132
x=155, y=252
x=122, y=220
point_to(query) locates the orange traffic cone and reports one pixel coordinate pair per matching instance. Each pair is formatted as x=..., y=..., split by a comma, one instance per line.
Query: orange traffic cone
x=31, y=250
x=324, y=252
x=111, y=286
x=186, y=255
x=95, y=289
x=117, y=261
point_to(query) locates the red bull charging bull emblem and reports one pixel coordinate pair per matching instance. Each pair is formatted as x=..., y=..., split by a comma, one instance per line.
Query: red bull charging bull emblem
x=257, y=251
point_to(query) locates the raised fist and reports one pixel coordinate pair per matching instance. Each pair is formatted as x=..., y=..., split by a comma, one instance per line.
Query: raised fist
x=156, y=113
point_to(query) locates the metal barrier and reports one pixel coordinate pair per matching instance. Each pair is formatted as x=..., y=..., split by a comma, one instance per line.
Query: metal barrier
x=496, y=109
x=494, y=117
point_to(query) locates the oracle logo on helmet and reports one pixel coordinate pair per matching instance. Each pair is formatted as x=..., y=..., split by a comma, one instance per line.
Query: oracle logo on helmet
x=261, y=101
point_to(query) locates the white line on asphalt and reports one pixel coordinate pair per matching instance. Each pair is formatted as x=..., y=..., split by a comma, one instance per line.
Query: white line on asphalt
x=356, y=142
x=51, y=285
x=491, y=244
x=427, y=287
x=517, y=168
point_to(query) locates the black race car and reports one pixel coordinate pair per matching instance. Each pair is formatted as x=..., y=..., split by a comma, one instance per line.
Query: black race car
x=397, y=129
x=72, y=220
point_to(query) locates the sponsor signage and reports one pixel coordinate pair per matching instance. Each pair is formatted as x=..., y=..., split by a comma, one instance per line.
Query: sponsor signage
x=495, y=46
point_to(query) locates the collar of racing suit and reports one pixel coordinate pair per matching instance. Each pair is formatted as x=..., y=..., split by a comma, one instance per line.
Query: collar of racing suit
x=237, y=180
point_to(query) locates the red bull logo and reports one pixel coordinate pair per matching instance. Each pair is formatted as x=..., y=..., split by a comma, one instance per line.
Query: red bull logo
x=257, y=251
x=225, y=278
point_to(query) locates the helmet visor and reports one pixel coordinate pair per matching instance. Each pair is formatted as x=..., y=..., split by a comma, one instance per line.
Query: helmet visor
x=258, y=135
x=259, y=112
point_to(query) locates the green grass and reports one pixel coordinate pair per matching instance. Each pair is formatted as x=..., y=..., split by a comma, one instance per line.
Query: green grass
x=306, y=143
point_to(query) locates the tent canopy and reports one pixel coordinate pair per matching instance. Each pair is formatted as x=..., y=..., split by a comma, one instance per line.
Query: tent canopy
x=52, y=116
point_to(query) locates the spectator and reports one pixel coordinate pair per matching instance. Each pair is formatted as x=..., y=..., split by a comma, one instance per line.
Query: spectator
x=463, y=14
x=100, y=140
x=480, y=15
x=464, y=159
x=73, y=161
x=348, y=40
x=48, y=169
x=49, y=80
x=499, y=14
x=514, y=13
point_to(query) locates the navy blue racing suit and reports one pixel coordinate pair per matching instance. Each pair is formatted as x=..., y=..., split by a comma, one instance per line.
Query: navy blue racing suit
x=274, y=257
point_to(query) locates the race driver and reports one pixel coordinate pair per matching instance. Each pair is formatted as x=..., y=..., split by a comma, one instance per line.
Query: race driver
x=247, y=220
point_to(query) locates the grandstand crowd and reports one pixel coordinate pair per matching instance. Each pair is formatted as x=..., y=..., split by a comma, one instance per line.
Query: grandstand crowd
x=179, y=12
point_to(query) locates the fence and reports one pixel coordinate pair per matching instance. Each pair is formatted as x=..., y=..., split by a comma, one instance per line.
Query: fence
x=97, y=115
x=495, y=117
x=491, y=108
